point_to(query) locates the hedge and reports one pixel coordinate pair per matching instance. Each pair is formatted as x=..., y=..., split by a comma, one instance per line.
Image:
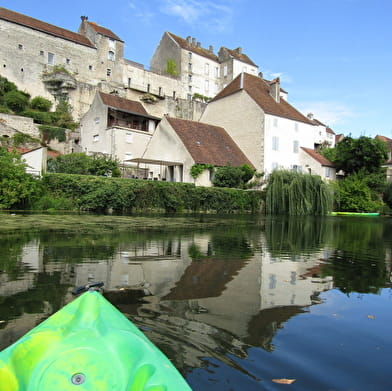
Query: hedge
x=93, y=193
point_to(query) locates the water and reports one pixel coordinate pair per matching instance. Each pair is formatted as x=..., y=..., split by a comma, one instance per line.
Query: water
x=237, y=303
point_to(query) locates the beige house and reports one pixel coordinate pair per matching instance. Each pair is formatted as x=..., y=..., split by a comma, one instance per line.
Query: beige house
x=178, y=144
x=117, y=127
x=269, y=130
x=317, y=164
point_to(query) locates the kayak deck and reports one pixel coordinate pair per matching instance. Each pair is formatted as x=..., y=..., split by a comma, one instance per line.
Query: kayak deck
x=87, y=345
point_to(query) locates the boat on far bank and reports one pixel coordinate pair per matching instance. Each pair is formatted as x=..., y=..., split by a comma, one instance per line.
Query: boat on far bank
x=370, y=214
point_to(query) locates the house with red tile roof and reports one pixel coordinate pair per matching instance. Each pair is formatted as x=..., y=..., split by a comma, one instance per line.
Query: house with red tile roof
x=35, y=159
x=316, y=164
x=117, y=127
x=178, y=144
x=267, y=128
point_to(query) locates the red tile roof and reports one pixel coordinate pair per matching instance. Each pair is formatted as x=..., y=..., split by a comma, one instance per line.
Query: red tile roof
x=104, y=31
x=238, y=55
x=47, y=28
x=259, y=90
x=123, y=104
x=184, y=44
x=318, y=157
x=208, y=144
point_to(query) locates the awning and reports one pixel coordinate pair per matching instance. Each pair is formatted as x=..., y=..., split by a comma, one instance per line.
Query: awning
x=154, y=161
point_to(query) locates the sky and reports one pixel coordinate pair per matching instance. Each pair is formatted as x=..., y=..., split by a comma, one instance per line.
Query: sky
x=333, y=57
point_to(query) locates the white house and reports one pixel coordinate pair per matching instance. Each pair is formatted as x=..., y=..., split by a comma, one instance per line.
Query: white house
x=178, y=144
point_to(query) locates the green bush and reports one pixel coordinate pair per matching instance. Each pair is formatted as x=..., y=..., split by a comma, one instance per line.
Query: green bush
x=17, y=101
x=41, y=104
x=95, y=193
x=229, y=176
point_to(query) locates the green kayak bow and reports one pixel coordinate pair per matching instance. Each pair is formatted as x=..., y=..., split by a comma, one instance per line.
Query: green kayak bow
x=88, y=345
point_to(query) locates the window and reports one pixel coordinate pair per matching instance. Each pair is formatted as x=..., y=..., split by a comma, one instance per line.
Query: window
x=148, y=87
x=112, y=43
x=327, y=172
x=50, y=58
x=128, y=137
x=244, y=69
x=96, y=138
x=20, y=46
x=216, y=72
x=41, y=53
x=96, y=120
x=190, y=67
x=129, y=82
x=275, y=122
x=127, y=156
x=90, y=67
x=275, y=143
x=111, y=56
x=275, y=166
x=174, y=94
x=159, y=91
x=190, y=55
x=206, y=85
x=67, y=61
x=225, y=71
x=189, y=78
x=206, y=68
x=108, y=72
x=295, y=146
x=190, y=88
x=296, y=126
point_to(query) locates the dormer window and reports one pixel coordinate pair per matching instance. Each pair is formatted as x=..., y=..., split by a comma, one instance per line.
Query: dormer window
x=111, y=55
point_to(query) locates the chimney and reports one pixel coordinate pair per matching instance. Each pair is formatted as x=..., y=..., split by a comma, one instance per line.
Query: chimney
x=193, y=41
x=310, y=116
x=198, y=44
x=275, y=89
x=239, y=50
x=84, y=18
x=188, y=40
x=261, y=76
x=211, y=49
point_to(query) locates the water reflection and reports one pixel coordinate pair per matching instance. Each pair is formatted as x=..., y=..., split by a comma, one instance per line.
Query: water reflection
x=200, y=295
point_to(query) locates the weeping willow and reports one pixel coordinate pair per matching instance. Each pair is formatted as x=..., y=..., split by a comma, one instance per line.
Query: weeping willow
x=295, y=194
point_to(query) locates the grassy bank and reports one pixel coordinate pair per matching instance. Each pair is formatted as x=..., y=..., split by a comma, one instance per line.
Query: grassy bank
x=91, y=193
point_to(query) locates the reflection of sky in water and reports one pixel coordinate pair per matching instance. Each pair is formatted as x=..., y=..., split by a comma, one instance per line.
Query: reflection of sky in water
x=230, y=306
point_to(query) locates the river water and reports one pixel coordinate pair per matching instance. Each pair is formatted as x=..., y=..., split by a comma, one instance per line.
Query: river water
x=235, y=302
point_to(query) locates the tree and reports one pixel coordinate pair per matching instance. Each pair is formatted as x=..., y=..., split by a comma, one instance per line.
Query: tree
x=354, y=155
x=80, y=163
x=17, y=188
x=229, y=176
x=17, y=101
x=41, y=104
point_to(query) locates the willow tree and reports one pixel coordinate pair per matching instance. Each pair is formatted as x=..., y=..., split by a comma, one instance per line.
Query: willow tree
x=297, y=194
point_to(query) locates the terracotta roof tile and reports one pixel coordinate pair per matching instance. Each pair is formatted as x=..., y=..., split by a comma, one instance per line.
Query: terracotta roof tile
x=238, y=55
x=123, y=104
x=386, y=140
x=104, y=31
x=208, y=144
x=183, y=43
x=318, y=157
x=47, y=28
x=259, y=91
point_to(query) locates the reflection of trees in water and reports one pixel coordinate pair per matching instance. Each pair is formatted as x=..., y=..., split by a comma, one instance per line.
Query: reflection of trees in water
x=296, y=236
x=358, y=263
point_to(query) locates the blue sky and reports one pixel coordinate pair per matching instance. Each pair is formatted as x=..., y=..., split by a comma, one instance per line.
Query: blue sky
x=334, y=57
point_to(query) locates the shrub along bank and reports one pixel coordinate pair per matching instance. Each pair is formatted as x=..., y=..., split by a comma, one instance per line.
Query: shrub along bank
x=92, y=193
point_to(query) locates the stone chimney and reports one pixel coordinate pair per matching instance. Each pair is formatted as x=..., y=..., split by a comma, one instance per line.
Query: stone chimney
x=275, y=89
x=211, y=49
x=198, y=44
x=239, y=50
x=193, y=41
x=84, y=18
x=310, y=116
x=188, y=40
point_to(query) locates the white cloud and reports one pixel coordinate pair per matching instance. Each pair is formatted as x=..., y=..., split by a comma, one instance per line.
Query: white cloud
x=329, y=113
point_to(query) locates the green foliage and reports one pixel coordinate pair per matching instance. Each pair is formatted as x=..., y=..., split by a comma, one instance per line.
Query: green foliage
x=355, y=155
x=354, y=195
x=80, y=163
x=297, y=194
x=16, y=101
x=22, y=138
x=171, y=67
x=198, y=168
x=99, y=193
x=52, y=132
x=41, y=104
x=6, y=86
x=39, y=117
x=229, y=176
x=387, y=196
x=17, y=188
x=62, y=117
x=201, y=97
